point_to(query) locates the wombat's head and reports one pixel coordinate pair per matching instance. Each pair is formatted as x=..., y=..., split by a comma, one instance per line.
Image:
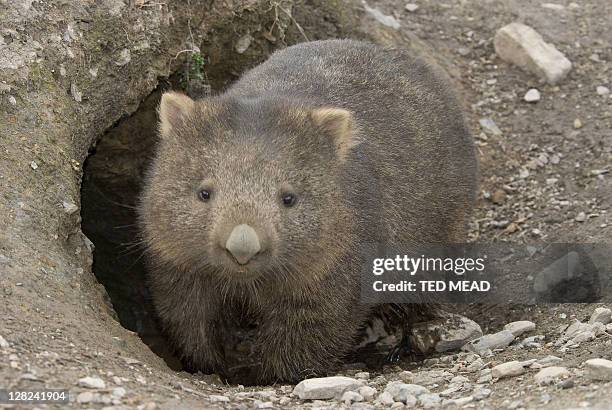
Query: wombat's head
x=247, y=188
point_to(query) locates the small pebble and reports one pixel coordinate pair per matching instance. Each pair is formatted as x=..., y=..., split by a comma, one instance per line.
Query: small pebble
x=351, y=397
x=324, y=388
x=85, y=397
x=602, y=90
x=509, y=369
x=520, y=327
x=3, y=343
x=532, y=95
x=489, y=126
x=551, y=375
x=92, y=383
x=385, y=398
x=367, y=392
x=599, y=369
x=489, y=342
x=577, y=123
x=217, y=398
x=411, y=7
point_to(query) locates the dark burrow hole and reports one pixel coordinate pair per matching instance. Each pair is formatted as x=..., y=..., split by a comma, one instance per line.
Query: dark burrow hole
x=112, y=180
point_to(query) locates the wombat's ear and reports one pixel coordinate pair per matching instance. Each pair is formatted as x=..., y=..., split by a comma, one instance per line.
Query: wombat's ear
x=172, y=109
x=337, y=123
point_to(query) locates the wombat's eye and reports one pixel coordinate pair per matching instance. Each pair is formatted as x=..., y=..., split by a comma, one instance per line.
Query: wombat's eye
x=204, y=195
x=288, y=200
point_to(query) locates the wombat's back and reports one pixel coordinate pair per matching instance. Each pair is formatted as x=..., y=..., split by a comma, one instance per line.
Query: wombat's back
x=417, y=156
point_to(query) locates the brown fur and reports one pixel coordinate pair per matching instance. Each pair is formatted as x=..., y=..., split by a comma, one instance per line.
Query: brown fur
x=373, y=143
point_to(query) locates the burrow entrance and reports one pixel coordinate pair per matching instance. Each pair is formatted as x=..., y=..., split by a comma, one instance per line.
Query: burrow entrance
x=112, y=180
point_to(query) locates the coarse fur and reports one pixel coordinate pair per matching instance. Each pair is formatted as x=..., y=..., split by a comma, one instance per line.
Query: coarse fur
x=374, y=146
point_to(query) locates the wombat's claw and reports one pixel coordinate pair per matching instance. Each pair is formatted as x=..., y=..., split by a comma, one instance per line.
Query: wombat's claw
x=399, y=350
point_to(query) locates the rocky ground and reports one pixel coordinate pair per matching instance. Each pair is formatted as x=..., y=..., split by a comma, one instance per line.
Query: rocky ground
x=545, y=176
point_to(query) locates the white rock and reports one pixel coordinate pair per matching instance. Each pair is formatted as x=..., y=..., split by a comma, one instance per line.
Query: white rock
x=92, y=383
x=489, y=126
x=411, y=7
x=34, y=165
x=349, y=397
x=601, y=315
x=69, y=207
x=216, y=398
x=579, y=332
x=385, y=398
x=85, y=397
x=520, y=327
x=118, y=393
x=599, y=369
x=3, y=343
x=508, y=369
x=603, y=90
x=550, y=375
x=553, y=6
x=532, y=95
x=406, y=376
x=609, y=328
x=523, y=46
x=491, y=341
x=384, y=19
x=324, y=388
x=367, y=392
x=429, y=400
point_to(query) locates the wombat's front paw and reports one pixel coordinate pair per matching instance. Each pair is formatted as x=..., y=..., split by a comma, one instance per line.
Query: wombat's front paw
x=289, y=369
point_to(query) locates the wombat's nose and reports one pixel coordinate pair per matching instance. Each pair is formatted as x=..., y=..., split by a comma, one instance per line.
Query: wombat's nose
x=243, y=243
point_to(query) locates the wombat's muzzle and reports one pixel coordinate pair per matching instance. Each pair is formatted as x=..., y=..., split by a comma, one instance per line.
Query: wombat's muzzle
x=243, y=243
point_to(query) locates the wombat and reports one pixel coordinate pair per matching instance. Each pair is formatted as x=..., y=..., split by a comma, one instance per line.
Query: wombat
x=257, y=199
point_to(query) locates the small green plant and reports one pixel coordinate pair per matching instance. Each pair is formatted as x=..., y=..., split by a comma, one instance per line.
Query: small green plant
x=193, y=71
x=196, y=66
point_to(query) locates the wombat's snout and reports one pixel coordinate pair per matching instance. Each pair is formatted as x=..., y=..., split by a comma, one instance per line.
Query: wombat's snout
x=243, y=243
